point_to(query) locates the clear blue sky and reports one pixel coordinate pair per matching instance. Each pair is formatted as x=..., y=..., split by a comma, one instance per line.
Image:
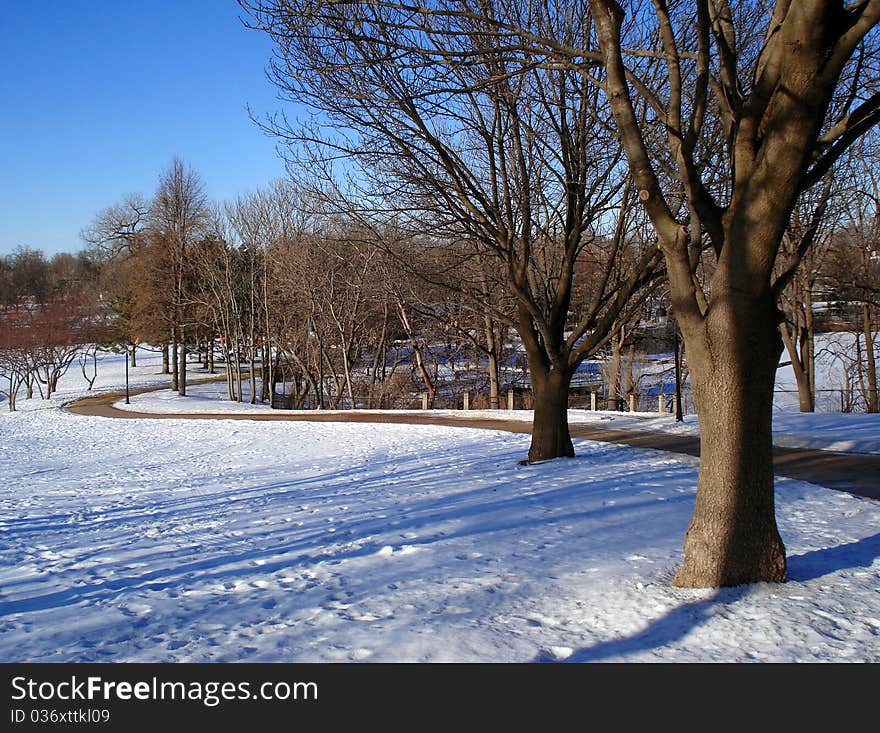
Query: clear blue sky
x=97, y=96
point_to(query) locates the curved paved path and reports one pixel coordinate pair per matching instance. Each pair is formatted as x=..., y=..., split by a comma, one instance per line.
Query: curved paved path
x=854, y=473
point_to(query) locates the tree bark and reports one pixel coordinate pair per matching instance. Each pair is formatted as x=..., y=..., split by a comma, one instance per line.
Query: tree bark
x=550, y=436
x=809, y=352
x=239, y=377
x=165, y=368
x=679, y=407
x=230, y=375
x=799, y=342
x=181, y=379
x=173, y=352
x=872, y=396
x=252, y=375
x=733, y=537
x=133, y=355
x=492, y=351
x=799, y=368
x=267, y=379
x=612, y=398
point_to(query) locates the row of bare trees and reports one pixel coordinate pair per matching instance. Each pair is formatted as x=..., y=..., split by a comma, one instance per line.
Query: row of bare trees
x=285, y=289
x=49, y=317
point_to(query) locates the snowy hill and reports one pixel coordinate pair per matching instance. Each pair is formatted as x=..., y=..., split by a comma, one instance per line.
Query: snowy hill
x=173, y=540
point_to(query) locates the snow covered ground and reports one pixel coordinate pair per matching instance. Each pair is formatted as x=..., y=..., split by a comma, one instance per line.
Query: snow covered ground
x=244, y=541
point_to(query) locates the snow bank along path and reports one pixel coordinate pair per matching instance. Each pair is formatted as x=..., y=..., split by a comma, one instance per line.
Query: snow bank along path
x=854, y=473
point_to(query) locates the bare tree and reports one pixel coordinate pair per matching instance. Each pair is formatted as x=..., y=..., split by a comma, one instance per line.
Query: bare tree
x=852, y=272
x=462, y=139
x=783, y=85
x=179, y=213
x=118, y=230
x=804, y=246
x=14, y=363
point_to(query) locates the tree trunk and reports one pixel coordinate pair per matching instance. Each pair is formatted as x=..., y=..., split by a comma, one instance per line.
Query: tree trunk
x=239, y=380
x=134, y=355
x=346, y=366
x=12, y=392
x=429, y=383
x=165, y=367
x=252, y=376
x=321, y=385
x=800, y=369
x=492, y=353
x=230, y=376
x=809, y=348
x=550, y=436
x=494, y=388
x=267, y=377
x=173, y=351
x=181, y=379
x=612, y=399
x=679, y=407
x=800, y=344
x=377, y=371
x=872, y=396
x=733, y=538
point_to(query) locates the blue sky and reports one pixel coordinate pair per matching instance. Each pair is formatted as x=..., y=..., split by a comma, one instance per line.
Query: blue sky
x=99, y=95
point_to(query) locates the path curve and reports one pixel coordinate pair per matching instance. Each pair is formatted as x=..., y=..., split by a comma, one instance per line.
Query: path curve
x=853, y=473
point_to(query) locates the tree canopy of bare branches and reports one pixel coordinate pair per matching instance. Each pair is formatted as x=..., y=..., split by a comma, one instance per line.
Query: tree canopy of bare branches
x=464, y=140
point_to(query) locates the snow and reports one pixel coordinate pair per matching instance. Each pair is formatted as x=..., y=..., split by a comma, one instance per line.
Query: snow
x=834, y=350
x=210, y=397
x=219, y=541
x=845, y=433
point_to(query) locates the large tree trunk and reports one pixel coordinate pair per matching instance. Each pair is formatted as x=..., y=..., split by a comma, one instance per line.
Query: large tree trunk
x=550, y=436
x=165, y=367
x=733, y=538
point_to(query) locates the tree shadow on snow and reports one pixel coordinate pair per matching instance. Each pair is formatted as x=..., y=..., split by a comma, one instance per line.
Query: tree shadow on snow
x=682, y=619
x=816, y=563
x=669, y=628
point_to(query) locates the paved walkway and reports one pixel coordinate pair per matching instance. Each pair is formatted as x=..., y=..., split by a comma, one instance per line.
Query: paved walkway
x=854, y=473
